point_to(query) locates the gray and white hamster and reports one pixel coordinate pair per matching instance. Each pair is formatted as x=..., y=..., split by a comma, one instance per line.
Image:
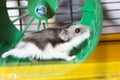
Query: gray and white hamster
x=51, y=43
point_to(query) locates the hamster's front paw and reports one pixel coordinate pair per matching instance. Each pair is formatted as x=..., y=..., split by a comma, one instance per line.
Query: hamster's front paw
x=70, y=58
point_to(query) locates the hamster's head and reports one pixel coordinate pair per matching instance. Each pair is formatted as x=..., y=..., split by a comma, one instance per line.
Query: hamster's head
x=75, y=31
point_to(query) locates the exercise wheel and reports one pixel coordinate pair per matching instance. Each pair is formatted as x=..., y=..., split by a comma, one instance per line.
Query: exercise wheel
x=44, y=10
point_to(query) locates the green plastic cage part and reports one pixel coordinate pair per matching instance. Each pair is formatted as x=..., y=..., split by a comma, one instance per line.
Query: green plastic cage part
x=44, y=10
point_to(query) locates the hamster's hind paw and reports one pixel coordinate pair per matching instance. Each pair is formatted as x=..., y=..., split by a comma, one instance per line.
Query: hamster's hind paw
x=5, y=55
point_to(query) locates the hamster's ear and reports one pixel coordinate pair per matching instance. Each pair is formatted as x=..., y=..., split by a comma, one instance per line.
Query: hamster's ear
x=64, y=35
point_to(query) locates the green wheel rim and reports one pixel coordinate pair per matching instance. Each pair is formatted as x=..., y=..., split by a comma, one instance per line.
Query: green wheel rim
x=10, y=36
x=93, y=18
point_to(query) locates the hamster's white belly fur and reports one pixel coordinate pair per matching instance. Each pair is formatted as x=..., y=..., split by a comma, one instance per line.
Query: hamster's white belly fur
x=31, y=51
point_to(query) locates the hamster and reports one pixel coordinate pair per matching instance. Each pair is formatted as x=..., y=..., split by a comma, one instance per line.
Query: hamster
x=51, y=43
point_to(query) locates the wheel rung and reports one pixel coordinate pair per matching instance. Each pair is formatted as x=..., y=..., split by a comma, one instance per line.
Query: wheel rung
x=22, y=16
x=38, y=26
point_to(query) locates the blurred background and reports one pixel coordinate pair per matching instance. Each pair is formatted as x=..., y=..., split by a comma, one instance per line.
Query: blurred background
x=67, y=12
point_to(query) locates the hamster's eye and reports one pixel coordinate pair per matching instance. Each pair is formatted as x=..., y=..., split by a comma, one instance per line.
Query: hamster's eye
x=77, y=30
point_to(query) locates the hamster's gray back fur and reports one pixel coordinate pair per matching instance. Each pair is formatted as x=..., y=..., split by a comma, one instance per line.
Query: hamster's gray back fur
x=42, y=38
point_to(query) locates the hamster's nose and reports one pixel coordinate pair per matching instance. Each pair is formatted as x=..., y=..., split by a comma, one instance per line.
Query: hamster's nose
x=85, y=28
